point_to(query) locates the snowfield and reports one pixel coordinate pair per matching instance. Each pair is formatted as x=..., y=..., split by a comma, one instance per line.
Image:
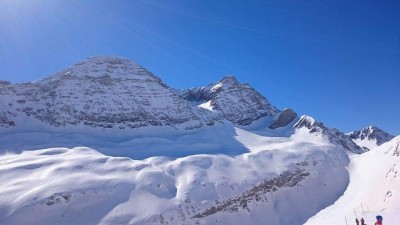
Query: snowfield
x=374, y=189
x=283, y=180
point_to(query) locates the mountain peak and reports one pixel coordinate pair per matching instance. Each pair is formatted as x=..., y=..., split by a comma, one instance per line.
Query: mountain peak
x=239, y=103
x=108, y=67
x=226, y=83
x=333, y=135
x=104, y=58
x=111, y=61
x=229, y=80
x=370, y=137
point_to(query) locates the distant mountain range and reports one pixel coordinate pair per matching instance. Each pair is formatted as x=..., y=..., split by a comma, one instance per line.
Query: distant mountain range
x=220, y=154
x=115, y=93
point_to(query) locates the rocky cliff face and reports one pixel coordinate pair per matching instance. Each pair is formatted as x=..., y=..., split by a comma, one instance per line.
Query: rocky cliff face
x=283, y=119
x=239, y=103
x=103, y=92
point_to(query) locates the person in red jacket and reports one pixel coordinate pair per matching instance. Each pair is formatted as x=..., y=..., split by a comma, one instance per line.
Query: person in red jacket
x=379, y=220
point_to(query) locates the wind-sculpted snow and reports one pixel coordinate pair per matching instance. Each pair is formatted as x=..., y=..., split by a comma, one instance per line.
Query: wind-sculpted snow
x=137, y=144
x=82, y=186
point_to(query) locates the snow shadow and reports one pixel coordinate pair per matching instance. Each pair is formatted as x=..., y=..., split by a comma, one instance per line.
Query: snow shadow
x=138, y=144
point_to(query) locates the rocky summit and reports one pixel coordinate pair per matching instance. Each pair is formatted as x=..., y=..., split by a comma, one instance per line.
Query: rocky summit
x=239, y=103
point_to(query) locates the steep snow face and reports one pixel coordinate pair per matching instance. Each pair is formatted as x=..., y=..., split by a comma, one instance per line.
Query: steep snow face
x=239, y=103
x=284, y=182
x=370, y=137
x=103, y=92
x=334, y=136
x=373, y=189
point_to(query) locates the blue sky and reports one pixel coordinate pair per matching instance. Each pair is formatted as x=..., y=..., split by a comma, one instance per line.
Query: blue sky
x=338, y=61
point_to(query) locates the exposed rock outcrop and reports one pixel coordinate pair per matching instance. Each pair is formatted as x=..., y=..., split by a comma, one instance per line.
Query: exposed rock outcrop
x=284, y=118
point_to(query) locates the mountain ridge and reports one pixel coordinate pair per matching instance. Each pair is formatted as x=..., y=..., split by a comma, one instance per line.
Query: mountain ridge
x=110, y=93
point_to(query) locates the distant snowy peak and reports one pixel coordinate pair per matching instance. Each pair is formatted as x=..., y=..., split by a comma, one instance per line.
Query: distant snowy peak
x=239, y=103
x=370, y=137
x=334, y=136
x=112, y=67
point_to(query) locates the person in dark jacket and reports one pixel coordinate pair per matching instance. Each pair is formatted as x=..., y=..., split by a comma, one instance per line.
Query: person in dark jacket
x=362, y=221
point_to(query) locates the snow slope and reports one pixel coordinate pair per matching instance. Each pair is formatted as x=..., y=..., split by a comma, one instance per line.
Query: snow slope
x=273, y=181
x=374, y=189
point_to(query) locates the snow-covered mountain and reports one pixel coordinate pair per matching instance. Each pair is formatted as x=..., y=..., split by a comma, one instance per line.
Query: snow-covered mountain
x=370, y=137
x=220, y=154
x=113, y=97
x=334, y=136
x=109, y=92
x=102, y=92
x=111, y=104
x=238, y=103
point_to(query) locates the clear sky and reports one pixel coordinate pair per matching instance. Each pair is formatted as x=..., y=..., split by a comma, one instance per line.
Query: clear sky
x=338, y=61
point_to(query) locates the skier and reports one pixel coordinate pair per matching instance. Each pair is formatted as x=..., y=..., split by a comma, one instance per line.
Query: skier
x=379, y=220
x=362, y=221
x=357, y=222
